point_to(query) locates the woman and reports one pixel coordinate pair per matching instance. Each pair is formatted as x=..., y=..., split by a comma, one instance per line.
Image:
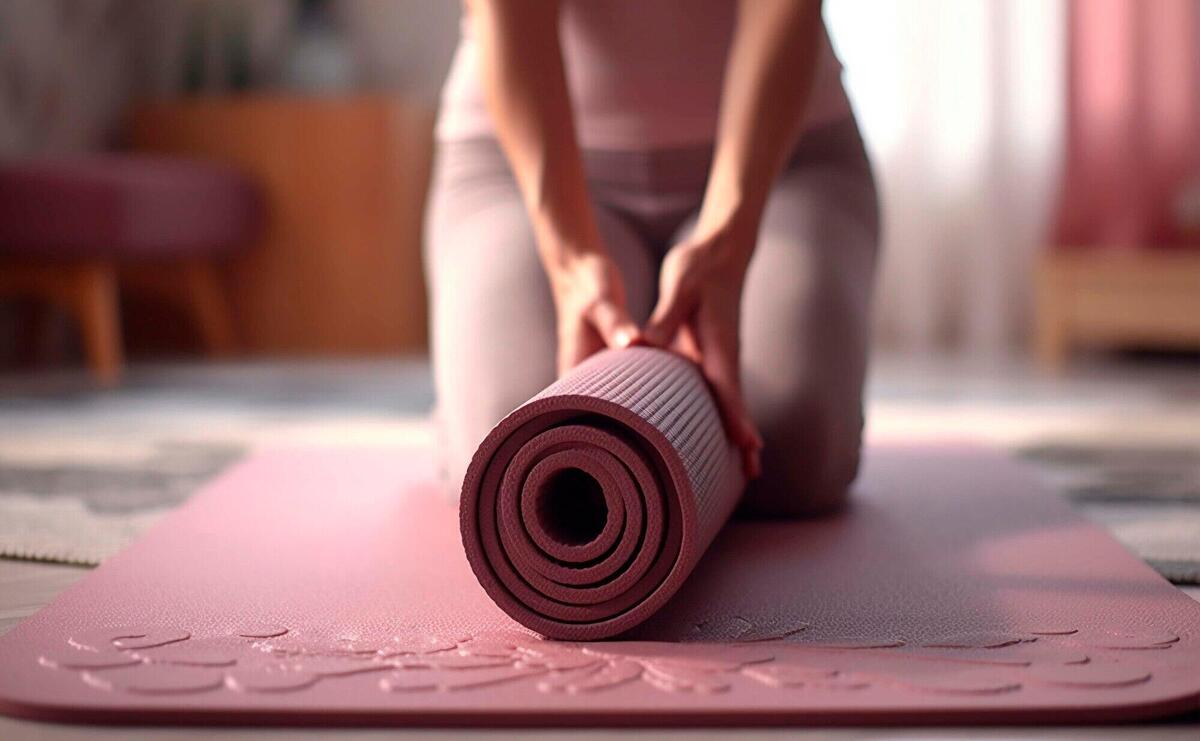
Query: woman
x=681, y=173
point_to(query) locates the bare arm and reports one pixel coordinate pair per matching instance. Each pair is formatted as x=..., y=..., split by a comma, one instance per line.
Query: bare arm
x=768, y=78
x=526, y=92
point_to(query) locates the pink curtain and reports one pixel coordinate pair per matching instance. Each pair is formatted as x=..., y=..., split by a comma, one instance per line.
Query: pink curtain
x=1133, y=122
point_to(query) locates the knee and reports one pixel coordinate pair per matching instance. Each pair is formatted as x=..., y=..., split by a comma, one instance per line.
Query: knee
x=810, y=458
x=464, y=419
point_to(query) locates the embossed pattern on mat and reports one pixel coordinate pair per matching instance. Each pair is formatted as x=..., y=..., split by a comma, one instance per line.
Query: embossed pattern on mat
x=330, y=587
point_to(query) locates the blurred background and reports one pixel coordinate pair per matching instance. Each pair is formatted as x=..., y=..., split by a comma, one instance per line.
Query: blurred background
x=210, y=230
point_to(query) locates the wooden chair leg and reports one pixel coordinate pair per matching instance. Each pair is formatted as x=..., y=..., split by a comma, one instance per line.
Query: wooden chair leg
x=95, y=304
x=209, y=308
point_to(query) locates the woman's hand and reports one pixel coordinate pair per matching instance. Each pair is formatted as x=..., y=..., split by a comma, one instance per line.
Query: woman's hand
x=767, y=79
x=699, y=306
x=525, y=89
x=589, y=297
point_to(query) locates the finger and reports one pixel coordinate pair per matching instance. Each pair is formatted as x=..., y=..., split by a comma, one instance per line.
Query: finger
x=742, y=432
x=685, y=343
x=614, y=325
x=719, y=362
x=674, y=308
x=576, y=344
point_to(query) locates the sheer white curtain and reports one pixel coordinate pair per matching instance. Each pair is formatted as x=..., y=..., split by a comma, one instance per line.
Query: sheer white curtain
x=962, y=106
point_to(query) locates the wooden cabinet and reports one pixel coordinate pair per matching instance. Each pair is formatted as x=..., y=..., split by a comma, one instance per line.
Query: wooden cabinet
x=337, y=270
x=1114, y=298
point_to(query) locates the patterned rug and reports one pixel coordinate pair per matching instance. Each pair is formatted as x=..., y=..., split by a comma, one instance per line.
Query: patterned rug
x=78, y=511
x=82, y=472
x=1149, y=497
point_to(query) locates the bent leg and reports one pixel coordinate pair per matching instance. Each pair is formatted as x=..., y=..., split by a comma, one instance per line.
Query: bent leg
x=491, y=313
x=805, y=328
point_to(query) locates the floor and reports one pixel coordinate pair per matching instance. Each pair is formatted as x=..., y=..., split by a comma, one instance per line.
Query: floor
x=1004, y=403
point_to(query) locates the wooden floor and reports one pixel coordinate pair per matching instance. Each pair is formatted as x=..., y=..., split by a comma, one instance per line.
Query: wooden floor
x=25, y=587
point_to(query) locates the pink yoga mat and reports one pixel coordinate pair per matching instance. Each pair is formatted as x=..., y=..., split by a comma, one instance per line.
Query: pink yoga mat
x=330, y=587
x=587, y=507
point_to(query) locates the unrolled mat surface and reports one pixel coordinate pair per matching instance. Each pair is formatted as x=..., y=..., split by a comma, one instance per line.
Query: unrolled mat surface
x=587, y=507
x=331, y=587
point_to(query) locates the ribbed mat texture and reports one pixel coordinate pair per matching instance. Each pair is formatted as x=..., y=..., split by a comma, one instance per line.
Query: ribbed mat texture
x=587, y=507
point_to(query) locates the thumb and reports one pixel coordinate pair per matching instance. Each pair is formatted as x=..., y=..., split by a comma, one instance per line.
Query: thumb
x=613, y=323
x=672, y=311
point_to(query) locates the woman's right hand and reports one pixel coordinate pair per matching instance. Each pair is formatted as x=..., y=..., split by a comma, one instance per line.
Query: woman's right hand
x=589, y=298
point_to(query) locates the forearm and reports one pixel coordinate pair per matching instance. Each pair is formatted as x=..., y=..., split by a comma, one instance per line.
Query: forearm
x=768, y=78
x=526, y=92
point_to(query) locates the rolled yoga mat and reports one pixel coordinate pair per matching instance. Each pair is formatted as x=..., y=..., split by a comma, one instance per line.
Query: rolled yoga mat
x=588, y=506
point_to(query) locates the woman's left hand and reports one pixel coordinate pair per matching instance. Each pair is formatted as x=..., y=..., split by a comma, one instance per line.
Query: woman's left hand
x=699, y=307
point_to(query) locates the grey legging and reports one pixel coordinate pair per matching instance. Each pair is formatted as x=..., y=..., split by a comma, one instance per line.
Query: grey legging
x=804, y=316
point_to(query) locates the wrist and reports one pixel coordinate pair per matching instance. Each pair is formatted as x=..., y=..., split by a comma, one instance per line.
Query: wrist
x=574, y=269
x=729, y=234
x=563, y=254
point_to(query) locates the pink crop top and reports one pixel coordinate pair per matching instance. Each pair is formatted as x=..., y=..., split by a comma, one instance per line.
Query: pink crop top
x=643, y=75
